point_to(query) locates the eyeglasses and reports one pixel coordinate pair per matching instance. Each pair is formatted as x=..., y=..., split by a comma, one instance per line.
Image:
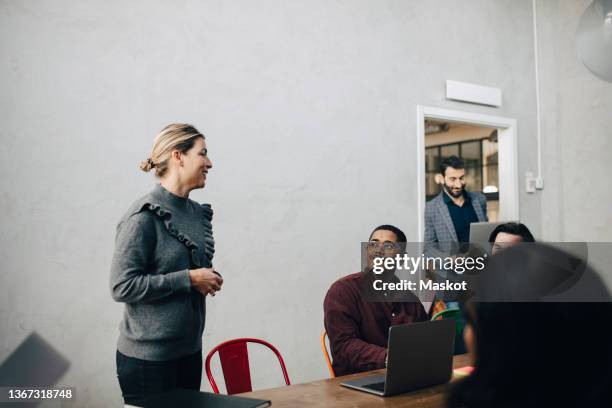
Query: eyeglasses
x=386, y=246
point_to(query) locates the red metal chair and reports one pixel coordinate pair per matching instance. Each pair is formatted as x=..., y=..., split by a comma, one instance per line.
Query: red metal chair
x=235, y=365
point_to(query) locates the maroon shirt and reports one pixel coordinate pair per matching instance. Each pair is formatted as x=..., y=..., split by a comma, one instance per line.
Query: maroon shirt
x=358, y=329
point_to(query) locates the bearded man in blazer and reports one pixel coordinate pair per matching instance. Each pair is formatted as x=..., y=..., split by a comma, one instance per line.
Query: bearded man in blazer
x=449, y=214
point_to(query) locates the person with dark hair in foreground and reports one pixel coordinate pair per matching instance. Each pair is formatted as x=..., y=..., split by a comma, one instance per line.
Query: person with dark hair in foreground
x=540, y=346
x=358, y=324
x=508, y=234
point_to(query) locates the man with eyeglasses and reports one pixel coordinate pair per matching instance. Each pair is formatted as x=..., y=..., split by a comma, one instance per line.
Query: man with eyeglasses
x=357, y=318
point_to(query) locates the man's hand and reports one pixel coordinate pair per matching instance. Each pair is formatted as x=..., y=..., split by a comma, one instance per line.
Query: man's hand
x=205, y=281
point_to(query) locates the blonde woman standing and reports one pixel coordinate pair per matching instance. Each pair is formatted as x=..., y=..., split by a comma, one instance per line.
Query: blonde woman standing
x=162, y=271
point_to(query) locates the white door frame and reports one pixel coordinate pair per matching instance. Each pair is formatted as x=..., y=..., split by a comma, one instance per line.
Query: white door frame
x=508, y=164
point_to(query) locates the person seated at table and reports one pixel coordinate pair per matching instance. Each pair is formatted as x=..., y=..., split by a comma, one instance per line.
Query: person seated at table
x=508, y=234
x=357, y=317
x=543, y=344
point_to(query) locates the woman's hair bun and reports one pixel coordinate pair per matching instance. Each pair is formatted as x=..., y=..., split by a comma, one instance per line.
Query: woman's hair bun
x=147, y=165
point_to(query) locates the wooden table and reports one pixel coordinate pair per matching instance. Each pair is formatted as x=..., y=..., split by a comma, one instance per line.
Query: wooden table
x=329, y=393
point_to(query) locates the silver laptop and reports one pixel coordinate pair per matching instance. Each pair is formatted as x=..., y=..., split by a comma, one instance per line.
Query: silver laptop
x=419, y=355
x=480, y=231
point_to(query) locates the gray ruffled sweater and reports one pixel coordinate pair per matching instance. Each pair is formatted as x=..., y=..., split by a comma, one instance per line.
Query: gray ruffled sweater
x=158, y=240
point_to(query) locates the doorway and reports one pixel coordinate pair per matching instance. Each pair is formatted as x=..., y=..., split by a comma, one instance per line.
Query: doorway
x=487, y=146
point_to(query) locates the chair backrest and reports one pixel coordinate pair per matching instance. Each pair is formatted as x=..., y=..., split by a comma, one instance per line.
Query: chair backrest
x=234, y=358
x=455, y=314
x=326, y=354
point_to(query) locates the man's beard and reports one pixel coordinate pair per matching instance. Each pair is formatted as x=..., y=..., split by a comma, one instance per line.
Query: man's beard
x=455, y=194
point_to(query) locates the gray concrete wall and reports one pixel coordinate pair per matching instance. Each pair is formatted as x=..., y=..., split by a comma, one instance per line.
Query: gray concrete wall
x=577, y=142
x=309, y=110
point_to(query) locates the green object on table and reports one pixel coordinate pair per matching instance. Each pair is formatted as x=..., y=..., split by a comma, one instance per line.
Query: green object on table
x=454, y=313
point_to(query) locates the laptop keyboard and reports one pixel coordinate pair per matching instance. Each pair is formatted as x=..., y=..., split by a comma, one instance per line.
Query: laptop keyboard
x=376, y=386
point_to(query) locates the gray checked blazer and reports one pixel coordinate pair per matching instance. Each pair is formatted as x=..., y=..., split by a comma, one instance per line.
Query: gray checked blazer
x=439, y=228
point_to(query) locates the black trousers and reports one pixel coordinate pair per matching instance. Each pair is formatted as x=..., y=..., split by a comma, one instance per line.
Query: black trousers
x=139, y=379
